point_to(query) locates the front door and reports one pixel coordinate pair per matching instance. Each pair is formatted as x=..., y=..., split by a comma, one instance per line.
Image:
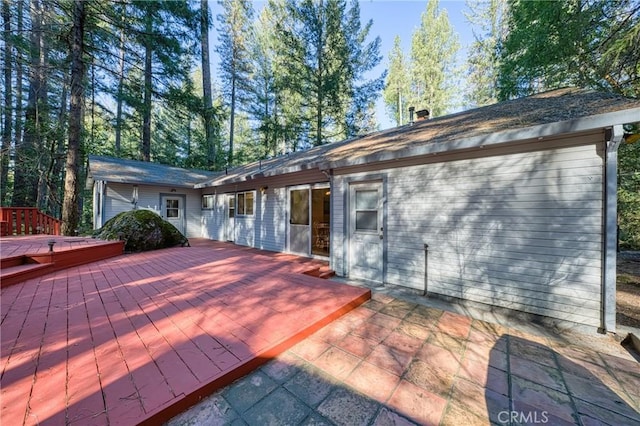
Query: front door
x=173, y=211
x=229, y=223
x=366, y=232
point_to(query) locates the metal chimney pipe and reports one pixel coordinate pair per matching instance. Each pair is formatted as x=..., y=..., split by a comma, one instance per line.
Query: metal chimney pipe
x=411, y=111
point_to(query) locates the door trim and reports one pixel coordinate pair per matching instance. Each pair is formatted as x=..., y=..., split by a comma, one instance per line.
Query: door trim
x=309, y=187
x=228, y=228
x=348, y=183
x=183, y=208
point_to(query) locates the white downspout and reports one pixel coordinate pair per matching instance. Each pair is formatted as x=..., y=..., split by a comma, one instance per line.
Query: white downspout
x=613, y=136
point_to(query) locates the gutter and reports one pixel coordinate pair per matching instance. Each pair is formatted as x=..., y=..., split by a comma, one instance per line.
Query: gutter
x=613, y=137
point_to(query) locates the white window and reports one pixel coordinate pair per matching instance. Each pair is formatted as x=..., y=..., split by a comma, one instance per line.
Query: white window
x=244, y=206
x=207, y=202
x=367, y=210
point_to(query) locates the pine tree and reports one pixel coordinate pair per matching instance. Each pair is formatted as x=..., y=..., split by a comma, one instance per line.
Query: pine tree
x=325, y=49
x=433, y=53
x=591, y=44
x=362, y=56
x=27, y=152
x=70, y=211
x=483, y=60
x=396, y=91
x=207, y=106
x=263, y=108
x=235, y=35
x=8, y=102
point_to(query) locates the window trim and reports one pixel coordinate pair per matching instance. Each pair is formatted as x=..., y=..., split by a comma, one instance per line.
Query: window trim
x=243, y=212
x=207, y=197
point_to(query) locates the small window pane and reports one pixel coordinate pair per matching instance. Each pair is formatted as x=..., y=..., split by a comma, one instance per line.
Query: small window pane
x=367, y=200
x=172, y=204
x=207, y=201
x=232, y=202
x=367, y=221
x=249, y=203
x=241, y=204
x=172, y=213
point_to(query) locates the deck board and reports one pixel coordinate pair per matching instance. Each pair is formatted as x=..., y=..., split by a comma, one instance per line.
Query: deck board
x=138, y=338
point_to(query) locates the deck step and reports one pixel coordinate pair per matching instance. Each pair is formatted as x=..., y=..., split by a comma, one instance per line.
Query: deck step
x=26, y=271
x=320, y=272
x=314, y=272
x=24, y=267
x=325, y=275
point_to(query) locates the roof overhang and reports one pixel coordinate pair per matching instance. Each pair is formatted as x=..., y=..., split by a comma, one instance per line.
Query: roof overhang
x=493, y=139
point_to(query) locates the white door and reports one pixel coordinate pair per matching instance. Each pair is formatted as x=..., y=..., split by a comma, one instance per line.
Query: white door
x=229, y=226
x=365, y=232
x=299, y=224
x=173, y=211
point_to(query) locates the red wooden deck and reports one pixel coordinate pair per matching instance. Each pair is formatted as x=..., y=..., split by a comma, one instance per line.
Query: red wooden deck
x=138, y=338
x=26, y=257
x=38, y=244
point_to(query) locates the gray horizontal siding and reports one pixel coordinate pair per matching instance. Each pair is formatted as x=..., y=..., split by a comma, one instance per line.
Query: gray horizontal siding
x=521, y=231
x=337, y=233
x=213, y=219
x=119, y=195
x=245, y=231
x=271, y=230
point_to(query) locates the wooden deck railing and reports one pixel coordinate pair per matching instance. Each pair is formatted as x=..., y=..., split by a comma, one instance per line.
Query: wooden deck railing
x=27, y=221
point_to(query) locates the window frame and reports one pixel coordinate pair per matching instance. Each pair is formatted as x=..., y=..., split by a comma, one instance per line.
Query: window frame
x=244, y=208
x=210, y=197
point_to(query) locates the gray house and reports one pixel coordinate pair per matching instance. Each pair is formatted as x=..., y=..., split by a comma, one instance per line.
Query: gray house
x=121, y=185
x=516, y=203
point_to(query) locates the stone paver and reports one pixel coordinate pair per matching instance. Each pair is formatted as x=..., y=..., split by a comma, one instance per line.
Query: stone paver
x=392, y=362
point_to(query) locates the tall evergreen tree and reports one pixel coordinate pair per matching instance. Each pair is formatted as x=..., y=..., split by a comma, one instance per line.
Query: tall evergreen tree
x=396, y=91
x=362, y=56
x=326, y=53
x=8, y=101
x=235, y=34
x=70, y=209
x=263, y=107
x=594, y=43
x=207, y=100
x=484, y=53
x=120, y=77
x=27, y=153
x=434, y=47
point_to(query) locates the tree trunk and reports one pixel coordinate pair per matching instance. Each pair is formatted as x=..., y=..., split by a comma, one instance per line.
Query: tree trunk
x=70, y=210
x=320, y=73
x=54, y=175
x=232, y=121
x=206, y=83
x=17, y=135
x=120, y=86
x=8, y=102
x=25, y=192
x=145, y=151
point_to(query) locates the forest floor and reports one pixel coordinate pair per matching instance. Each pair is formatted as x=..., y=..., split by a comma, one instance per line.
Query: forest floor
x=628, y=289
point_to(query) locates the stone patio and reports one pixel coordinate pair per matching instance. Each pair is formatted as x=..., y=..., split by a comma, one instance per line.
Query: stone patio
x=394, y=362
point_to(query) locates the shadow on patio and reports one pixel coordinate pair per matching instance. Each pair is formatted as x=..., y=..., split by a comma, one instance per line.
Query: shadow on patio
x=392, y=362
